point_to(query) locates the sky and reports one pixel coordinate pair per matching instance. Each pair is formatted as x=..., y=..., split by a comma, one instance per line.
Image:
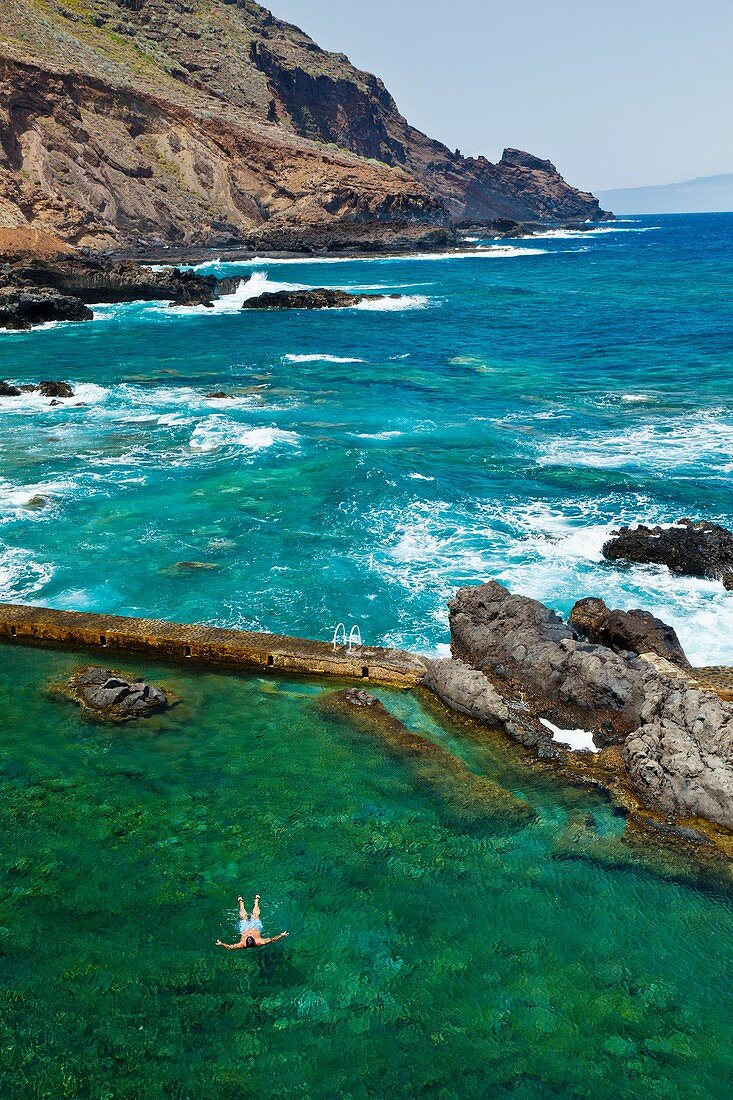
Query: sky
x=624, y=93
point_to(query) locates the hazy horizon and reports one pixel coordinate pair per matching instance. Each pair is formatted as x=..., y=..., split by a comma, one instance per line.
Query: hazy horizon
x=615, y=96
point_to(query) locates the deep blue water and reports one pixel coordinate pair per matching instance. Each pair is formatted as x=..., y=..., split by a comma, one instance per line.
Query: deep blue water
x=518, y=405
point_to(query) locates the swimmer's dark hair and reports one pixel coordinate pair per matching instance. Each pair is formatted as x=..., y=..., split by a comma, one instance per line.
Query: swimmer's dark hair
x=250, y=942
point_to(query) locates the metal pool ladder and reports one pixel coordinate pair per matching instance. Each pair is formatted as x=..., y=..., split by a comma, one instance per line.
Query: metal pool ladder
x=352, y=642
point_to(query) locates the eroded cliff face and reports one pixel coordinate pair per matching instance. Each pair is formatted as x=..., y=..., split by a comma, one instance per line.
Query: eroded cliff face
x=211, y=122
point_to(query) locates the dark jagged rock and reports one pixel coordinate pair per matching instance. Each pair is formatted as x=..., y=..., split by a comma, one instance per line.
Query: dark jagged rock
x=55, y=389
x=6, y=390
x=22, y=307
x=357, y=697
x=318, y=298
x=676, y=738
x=61, y=286
x=97, y=277
x=526, y=645
x=111, y=696
x=627, y=631
x=695, y=549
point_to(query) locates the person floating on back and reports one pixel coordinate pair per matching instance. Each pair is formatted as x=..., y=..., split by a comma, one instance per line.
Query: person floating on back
x=250, y=929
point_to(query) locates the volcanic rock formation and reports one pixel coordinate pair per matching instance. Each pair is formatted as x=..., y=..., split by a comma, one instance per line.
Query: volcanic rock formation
x=696, y=549
x=111, y=696
x=130, y=122
x=676, y=739
x=60, y=285
x=627, y=631
x=317, y=298
x=524, y=645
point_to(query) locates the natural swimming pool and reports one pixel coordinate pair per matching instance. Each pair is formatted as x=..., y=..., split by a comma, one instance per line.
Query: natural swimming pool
x=429, y=955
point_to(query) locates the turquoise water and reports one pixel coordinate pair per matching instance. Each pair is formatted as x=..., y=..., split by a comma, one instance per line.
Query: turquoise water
x=521, y=403
x=429, y=955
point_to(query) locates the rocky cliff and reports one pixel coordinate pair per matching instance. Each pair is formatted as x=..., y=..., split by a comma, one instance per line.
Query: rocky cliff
x=131, y=122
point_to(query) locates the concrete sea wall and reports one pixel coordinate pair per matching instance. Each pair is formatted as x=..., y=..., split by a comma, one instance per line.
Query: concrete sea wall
x=110, y=634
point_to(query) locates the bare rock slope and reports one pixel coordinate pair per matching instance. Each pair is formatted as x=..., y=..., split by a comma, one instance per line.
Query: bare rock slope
x=131, y=122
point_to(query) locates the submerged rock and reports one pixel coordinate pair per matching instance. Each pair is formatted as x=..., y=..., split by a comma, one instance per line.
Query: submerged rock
x=180, y=568
x=471, y=800
x=113, y=697
x=695, y=549
x=318, y=298
x=631, y=631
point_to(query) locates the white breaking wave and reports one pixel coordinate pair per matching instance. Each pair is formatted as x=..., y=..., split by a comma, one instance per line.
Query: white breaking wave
x=485, y=252
x=576, y=234
x=217, y=432
x=393, y=305
x=320, y=359
x=657, y=447
x=257, y=284
x=21, y=576
x=15, y=500
x=552, y=553
x=379, y=435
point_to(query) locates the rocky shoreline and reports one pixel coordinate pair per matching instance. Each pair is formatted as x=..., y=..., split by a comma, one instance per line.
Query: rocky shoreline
x=61, y=284
x=665, y=738
x=43, y=280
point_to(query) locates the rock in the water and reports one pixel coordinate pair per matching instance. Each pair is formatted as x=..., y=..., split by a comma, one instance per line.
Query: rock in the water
x=55, y=389
x=694, y=549
x=681, y=756
x=113, y=697
x=523, y=643
x=472, y=800
x=23, y=307
x=627, y=631
x=181, y=568
x=318, y=298
x=6, y=390
x=218, y=396
x=357, y=697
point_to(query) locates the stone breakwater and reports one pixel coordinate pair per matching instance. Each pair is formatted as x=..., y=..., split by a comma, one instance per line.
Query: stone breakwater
x=205, y=644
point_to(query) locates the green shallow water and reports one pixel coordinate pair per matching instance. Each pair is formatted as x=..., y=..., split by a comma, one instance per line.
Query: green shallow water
x=425, y=958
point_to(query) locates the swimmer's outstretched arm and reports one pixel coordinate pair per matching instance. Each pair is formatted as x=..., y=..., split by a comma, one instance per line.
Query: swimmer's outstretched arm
x=274, y=939
x=231, y=946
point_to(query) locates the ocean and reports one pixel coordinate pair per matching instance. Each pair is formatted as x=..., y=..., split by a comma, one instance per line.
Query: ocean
x=499, y=421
